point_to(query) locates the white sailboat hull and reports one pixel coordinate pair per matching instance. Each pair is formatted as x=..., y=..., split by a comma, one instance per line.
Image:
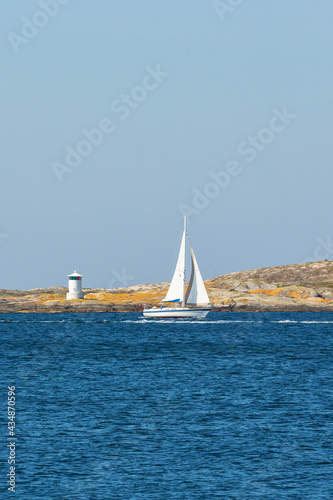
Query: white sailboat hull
x=183, y=312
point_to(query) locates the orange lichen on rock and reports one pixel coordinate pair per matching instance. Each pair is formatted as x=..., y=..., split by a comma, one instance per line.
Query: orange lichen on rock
x=124, y=298
x=276, y=291
x=101, y=296
x=318, y=299
x=50, y=297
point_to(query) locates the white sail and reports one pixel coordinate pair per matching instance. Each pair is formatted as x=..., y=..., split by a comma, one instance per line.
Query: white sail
x=196, y=293
x=176, y=292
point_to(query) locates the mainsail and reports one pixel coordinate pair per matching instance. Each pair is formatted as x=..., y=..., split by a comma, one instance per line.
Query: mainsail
x=196, y=293
x=176, y=292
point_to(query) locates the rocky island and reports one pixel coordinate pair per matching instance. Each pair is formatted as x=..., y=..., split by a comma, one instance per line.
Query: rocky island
x=299, y=287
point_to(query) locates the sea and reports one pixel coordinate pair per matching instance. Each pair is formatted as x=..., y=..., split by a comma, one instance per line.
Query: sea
x=114, y=406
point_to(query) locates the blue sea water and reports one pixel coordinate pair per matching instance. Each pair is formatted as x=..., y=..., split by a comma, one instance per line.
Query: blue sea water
x=112, y=406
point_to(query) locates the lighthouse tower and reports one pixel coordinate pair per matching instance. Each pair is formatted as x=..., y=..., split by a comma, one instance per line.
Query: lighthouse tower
x=74, y=287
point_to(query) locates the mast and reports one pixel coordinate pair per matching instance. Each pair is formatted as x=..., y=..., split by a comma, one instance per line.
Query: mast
x=183, y=297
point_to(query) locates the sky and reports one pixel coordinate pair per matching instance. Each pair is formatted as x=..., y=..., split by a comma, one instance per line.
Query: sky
x=116, y=117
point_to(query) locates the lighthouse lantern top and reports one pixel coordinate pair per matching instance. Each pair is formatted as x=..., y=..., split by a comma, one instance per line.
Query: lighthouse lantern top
x=75, y=276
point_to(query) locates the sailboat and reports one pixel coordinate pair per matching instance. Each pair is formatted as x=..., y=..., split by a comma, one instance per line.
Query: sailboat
x=192, y=304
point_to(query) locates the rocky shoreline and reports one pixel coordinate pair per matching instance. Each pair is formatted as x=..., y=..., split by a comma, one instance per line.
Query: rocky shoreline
x=299, y=287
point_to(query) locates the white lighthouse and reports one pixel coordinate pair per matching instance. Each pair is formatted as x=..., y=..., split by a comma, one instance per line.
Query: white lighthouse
x=74, y=287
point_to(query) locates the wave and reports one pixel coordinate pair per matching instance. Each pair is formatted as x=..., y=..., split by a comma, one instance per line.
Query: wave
x=166, y=321
x=301, y=322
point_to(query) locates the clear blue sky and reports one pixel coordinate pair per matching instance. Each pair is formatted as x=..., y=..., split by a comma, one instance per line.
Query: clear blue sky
x=183, y=90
